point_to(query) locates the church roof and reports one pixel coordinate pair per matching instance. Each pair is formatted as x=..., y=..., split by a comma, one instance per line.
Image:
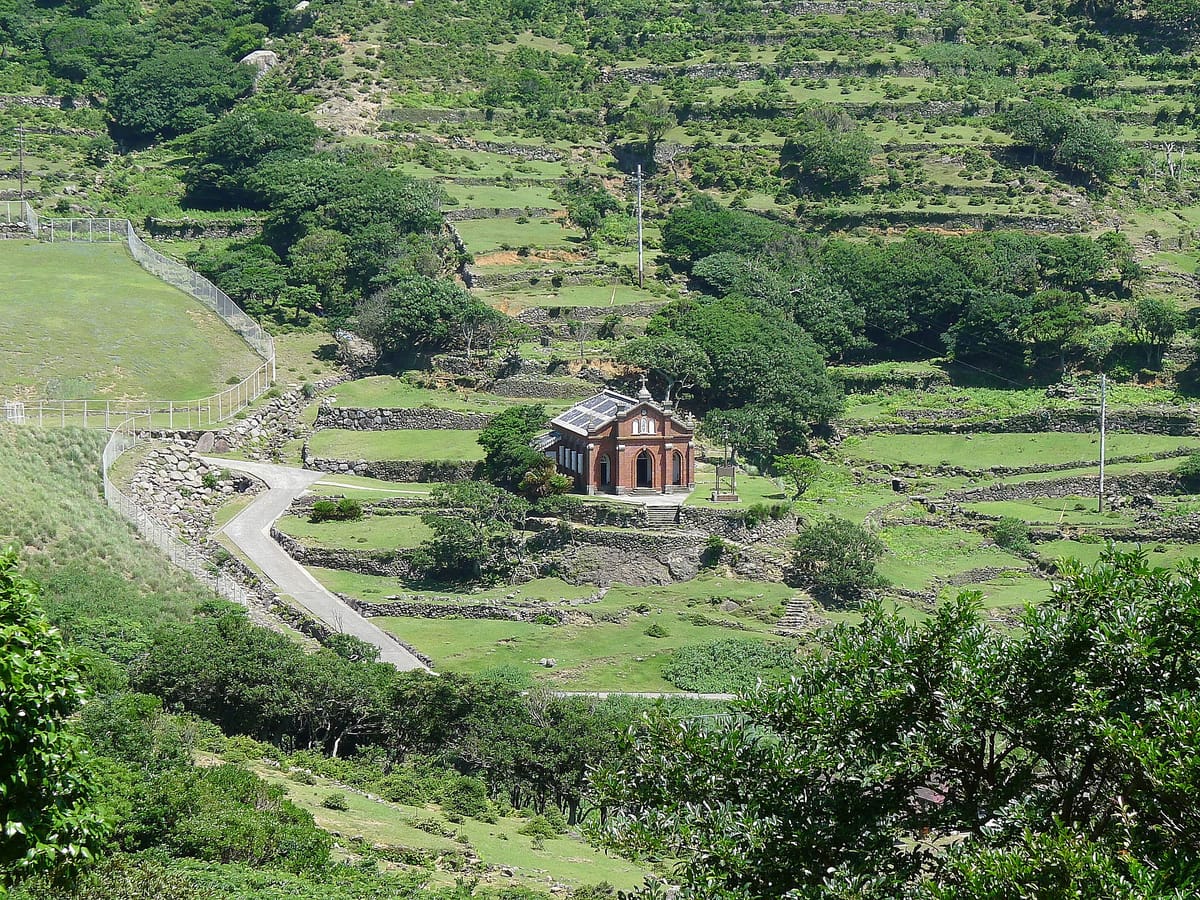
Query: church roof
x=599, y=409
x=603, y=408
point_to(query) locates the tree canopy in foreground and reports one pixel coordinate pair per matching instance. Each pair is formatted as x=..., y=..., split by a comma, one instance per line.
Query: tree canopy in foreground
x=947, y=758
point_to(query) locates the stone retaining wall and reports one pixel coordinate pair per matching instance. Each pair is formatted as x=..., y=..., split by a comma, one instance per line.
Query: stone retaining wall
x=46, y=101
x=394, y=470
x=495, y=212
x=729, y=524
x=544, y=315
x=1177, y=422
x=1078, y=486
x=906, y=470
x=433, y=610
x=351, y=418
x=533, y=389
x=396, y=564
x=188, y=229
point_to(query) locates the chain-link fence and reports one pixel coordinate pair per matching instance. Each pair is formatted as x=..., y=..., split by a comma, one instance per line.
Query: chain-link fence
x=15, y=221
x=151, y=414
x=124, y=418
x=191, y=560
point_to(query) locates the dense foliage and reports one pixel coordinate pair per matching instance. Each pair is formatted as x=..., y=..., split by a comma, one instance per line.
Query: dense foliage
x=48, y=816
x=946, y=758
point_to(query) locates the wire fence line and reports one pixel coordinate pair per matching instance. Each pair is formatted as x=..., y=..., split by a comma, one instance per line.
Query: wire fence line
x=148, y=414
x=126, y=418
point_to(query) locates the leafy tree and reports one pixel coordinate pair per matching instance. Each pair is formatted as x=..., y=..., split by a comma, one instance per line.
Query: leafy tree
x=175, y=91
x=1056, y=325
x=650, y=115
x=228, y=151
x=801, y=471
x=479, y=535
x=679, y=363
x=48, y=818
x=838, y=558
x=989, y=331
x=945, y=758
x=704, y=227
x=1154, y=321
x=1066, y=137
x=747, y=431
x=831, y=153
x=508, y=456
x=416, y=312
x=587, y=202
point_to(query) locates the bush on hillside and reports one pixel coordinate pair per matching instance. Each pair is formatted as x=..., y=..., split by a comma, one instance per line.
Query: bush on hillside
x=1012, y=534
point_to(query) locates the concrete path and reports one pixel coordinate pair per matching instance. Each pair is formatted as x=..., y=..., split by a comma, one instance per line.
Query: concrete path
x=250, y=531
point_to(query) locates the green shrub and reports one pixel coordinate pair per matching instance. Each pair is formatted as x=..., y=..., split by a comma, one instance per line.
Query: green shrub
x=464, y=796
x=656, y=631
x=538, y=827
x=343, y=510
x=1012, y=534
x=727, y=665
x=714, y=549
x=1188, y=473
x=336, y=800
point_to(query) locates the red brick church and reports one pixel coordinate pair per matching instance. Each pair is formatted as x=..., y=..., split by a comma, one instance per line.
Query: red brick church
x=614, y=444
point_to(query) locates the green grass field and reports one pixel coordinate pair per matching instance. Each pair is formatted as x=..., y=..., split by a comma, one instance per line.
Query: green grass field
x=434, y=445
x=1054, y=511
x=369, y=533
x=916, y=554
x=592, y=652
x=482, y=235
x=390, y=391
x=86, y=321
x=512, y=300
x=981, y=451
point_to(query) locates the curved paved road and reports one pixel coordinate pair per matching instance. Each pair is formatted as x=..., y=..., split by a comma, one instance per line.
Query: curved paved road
x=250, y=531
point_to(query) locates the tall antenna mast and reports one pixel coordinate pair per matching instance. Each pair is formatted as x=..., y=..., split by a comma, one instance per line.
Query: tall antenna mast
x=641, y=266
x=1103, y=416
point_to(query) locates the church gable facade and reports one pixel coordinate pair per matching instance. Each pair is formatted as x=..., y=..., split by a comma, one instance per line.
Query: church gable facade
x=615, y=444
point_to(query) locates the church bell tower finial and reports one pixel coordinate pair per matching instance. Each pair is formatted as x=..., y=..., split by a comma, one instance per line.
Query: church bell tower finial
x=644, y=393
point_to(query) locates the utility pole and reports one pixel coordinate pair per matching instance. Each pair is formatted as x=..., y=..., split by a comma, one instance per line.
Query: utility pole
x=21, y=167
x=1103, y=414
x=641, y=266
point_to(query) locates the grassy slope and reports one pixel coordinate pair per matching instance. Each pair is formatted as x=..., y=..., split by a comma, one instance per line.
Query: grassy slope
x=88, y=314
x=94, y=567
x=565, y=859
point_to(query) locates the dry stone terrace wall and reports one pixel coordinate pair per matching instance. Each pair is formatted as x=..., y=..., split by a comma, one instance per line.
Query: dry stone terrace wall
x=457, y=610
x=1176, y=422
x=396, y=564
x=397, y=419
x=907, y=470
x=394, y=470
x=1079, y=486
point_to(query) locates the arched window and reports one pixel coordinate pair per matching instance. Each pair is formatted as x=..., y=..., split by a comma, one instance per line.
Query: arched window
x=605, y=471
x=637, y=426
x=676, y=467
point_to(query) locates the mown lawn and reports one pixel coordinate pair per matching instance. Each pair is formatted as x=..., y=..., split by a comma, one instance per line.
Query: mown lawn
x=482, y=235
x=389, y=391
x=431, y=444
x=85, y=320
x=1054, y=511
x=360, y=488
x=982, y=451
x=369, y=533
